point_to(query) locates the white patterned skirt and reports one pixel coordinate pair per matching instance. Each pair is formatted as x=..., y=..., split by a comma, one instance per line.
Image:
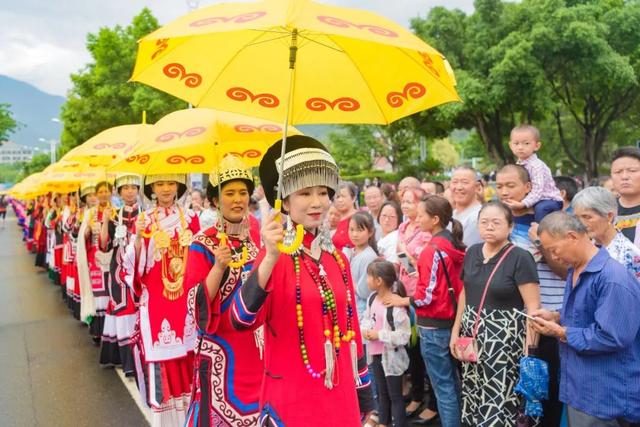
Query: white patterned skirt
x=488, y=396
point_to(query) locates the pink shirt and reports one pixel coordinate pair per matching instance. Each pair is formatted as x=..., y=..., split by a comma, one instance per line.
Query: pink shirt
x=414, y=245
x=543, y=187
x=378, y=314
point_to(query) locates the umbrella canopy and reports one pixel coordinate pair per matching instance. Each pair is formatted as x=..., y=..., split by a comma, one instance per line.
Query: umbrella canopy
x=67, y=172
x=37, y=184
x=107, y=146
x=348, y=66
x=195, y=140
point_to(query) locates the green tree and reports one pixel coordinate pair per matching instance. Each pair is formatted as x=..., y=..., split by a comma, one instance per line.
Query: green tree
x=354, y=146
x=445, y=152
x=7, y=123
x=37, y=164
x=588, y=53
x=101, y=97
x=490, y=57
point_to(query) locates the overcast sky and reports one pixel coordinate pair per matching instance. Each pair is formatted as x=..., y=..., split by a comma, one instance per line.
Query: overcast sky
x=43, y=41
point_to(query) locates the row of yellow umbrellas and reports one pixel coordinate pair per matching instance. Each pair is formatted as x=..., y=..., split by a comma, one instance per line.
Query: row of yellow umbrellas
x=186, y=141
x=273, y=63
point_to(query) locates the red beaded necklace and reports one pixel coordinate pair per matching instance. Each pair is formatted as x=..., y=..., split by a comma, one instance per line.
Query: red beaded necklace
x=330, y=318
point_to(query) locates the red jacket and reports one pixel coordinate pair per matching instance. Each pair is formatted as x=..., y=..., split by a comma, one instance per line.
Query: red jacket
x=432, y=301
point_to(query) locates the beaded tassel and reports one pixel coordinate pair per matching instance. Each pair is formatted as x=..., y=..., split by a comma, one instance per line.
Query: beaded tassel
x=354, y=363
x=329, y=363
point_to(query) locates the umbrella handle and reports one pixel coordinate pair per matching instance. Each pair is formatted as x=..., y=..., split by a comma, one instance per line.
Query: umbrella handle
x=299, y=234
x=243, y=258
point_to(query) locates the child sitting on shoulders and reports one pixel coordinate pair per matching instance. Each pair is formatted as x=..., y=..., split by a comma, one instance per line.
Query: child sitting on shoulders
x=544, y=196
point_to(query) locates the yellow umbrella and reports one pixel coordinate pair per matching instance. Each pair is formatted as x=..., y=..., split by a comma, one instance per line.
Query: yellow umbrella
x=194, y=140
x=68, y=172
x=107, y=146
x=346, y=65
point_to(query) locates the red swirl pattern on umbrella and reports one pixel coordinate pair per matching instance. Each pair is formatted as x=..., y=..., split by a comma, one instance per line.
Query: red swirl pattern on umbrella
x=428, y=62
x=168, y=136
x=178, y=159
x=266, y=100
x=250, y=154
x=344, y=104
x=105, y=145
x=411, y=90
x=175, y=70
x=236, y=19
x=260, y=128
x=138, y=158
x=377, y=30
x=161, y=45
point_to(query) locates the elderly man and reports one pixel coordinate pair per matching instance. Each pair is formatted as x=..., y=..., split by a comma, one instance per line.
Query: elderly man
x=406, y=183
x=598, y=327
x=625, y=173
x=464, y=189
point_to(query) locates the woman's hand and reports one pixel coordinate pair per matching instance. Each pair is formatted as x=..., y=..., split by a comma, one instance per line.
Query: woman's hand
x=222, y=256
x=395, y=300
x=272, y=233
x=140, y=226
x=452, y=346
x=371, y=335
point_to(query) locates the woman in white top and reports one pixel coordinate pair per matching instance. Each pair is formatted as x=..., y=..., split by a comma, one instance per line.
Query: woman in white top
x=389, y=219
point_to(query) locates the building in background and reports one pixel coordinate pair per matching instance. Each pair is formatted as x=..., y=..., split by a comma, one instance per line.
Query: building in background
x=10, y=152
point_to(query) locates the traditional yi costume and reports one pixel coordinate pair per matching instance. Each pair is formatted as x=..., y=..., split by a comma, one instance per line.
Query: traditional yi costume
x=166, y=332
x=228, y=370
x=315, y=372
x=121, y=314
x=99, y=263
x=70, y=228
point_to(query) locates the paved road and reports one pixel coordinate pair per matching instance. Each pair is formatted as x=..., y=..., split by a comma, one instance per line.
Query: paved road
x=49, y=372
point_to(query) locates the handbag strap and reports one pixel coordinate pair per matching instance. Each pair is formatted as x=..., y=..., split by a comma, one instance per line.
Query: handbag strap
x=486, y=288
x=450, y=289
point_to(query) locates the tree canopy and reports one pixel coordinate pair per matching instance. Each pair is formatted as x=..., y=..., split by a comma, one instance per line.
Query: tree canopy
x=101, y=96
x=7, y=123
x=569, y=67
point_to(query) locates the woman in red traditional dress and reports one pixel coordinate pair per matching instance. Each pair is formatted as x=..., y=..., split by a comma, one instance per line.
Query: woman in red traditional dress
x=315, y=370
x=155, y=267
x=82, y=286
x=40, y=233
x=70, y=226
x=228, y=367
x=98, y=260
x=115, y=235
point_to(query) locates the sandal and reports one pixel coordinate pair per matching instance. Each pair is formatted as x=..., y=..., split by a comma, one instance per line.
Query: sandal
x=372, y=420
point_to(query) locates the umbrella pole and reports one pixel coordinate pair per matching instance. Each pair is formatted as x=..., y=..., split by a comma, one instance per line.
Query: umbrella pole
x=293, y=53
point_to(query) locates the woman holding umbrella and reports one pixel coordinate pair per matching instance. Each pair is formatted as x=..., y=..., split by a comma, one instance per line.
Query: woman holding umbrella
x=228, y=367
x=306, y=300
x=155, y=265
x=115, y=235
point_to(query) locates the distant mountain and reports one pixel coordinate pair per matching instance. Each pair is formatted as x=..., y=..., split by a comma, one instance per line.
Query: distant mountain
x=34, y=109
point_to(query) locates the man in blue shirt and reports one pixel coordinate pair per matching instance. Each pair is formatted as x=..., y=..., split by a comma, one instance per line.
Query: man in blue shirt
x=598, y=327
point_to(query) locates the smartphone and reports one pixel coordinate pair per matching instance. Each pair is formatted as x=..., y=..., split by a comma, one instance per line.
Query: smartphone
x=524, y=314
x=404, y=259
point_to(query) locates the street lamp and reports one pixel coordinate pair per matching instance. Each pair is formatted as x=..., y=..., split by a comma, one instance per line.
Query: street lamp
x=52, y=148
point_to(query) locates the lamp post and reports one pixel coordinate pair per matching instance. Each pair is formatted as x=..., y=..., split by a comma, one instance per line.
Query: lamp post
x=52, y=148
